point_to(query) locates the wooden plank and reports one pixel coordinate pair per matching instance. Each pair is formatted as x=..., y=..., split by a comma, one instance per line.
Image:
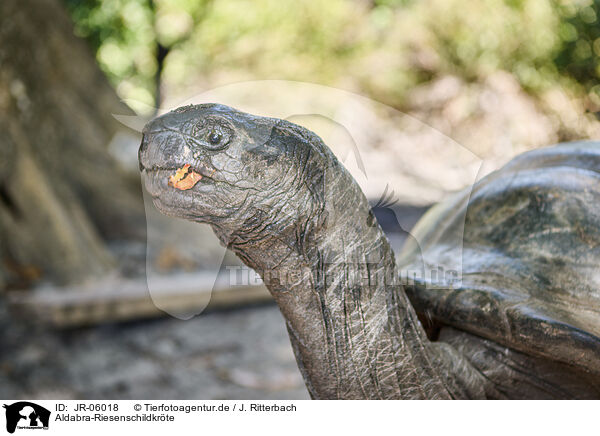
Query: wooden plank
x=123, y=300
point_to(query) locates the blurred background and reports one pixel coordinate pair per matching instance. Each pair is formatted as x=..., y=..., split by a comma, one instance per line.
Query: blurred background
x=458, y=83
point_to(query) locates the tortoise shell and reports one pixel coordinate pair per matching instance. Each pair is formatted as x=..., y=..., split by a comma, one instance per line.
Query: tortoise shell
x=516, y=258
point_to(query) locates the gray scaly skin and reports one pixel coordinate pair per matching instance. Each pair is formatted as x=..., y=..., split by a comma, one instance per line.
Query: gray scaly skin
x=275, y=195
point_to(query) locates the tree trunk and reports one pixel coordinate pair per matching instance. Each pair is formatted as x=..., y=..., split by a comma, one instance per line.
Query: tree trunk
x=62, y=196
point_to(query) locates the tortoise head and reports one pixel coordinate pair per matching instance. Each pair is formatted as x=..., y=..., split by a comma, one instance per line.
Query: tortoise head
x=236, y=171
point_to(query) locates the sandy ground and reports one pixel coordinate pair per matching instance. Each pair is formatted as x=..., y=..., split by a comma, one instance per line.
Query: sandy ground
x=241, y=354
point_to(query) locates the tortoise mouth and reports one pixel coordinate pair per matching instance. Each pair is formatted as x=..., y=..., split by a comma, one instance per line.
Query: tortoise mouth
x=162, y=181
x=184, y=178
x=199, y=203
x=198, y=167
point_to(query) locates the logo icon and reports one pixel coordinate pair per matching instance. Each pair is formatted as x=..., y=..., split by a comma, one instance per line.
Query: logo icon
x=26, y=415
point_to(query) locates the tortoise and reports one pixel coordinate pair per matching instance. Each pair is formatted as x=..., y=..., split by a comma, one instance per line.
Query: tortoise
x=520, y=320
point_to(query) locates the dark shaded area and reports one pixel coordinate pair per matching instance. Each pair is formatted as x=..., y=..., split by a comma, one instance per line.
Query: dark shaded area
x=63, y=197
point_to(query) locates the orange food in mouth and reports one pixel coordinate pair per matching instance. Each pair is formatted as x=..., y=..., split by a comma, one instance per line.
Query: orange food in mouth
x=184, y=178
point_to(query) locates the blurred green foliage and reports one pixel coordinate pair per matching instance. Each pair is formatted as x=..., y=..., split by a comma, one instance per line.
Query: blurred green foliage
x=121, y=32
x=380, y=47
x=579, y=54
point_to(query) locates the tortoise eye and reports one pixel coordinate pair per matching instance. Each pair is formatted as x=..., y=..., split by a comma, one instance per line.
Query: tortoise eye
x=214, y=137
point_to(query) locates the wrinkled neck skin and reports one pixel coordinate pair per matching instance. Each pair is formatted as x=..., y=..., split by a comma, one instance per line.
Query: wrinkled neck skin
x=332, y=272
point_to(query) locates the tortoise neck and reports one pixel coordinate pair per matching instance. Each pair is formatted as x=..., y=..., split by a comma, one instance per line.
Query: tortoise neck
x=352, y=328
